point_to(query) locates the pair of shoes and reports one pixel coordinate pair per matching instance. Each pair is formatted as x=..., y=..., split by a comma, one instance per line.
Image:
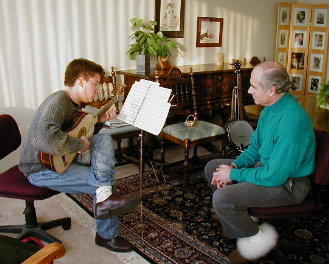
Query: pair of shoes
x=117, y=244
x=115, y=205
x=236, y=258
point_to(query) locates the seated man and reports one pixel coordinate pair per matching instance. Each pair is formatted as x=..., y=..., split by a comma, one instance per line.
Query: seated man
x=272, y=171
x=93, y=169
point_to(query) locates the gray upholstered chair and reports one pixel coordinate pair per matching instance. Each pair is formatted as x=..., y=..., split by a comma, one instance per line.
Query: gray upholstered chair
x=190, y=133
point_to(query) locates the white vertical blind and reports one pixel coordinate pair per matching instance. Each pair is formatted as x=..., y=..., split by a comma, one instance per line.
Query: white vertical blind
x=39, y=38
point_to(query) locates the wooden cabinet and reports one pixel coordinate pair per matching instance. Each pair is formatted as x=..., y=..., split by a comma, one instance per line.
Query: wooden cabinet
x=213, y=83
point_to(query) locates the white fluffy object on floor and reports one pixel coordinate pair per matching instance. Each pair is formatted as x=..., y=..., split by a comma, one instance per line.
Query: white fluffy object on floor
x=259, y=245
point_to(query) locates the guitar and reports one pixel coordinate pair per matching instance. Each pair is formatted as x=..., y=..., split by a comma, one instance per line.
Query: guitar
x=239, y=131
x=81, y=124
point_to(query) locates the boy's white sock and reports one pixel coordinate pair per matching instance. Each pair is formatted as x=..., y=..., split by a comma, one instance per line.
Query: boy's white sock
x=102, y=193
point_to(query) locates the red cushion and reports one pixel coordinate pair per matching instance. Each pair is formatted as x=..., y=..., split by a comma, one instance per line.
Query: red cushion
x=9, y=135
x=14, y=184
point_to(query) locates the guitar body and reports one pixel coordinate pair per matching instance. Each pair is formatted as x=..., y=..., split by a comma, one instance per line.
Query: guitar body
x=82, y=124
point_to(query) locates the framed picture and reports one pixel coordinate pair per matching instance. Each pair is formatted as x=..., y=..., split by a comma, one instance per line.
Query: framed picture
x=318, y=40
x=301, y=16
x=297, y=81
x=282, y=58
x=297, y=60
x=313, y=83
x=169, y=15
x=316, y=62
x=320, y=17
x=299, y=39
x=209, y=32
x=284, y=18
x=283, y=39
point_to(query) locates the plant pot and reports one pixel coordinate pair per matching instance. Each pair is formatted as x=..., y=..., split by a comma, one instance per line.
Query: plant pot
x=143, y=63
x=164, y=63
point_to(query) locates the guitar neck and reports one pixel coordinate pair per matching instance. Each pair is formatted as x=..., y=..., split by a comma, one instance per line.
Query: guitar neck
x=106, y=107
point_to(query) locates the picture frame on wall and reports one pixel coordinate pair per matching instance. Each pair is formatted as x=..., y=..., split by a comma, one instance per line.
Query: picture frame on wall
x=297, y=60
x=320, y=17
x=283, y=39
x=318, y=40
x=313, y=83
x=299, y=39
x=301, y=16
x=316, y=62
x=284, y=18
x=282, y=58
x=297, y=81
x=169, y=15
x=209, y=32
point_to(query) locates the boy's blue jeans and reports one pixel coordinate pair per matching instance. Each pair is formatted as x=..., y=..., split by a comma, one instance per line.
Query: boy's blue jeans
x=88, y=171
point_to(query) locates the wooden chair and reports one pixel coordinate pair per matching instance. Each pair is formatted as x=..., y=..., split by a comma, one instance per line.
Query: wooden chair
x=314, y=203
x=190, y=133
x=14, y=251
x=107, y=88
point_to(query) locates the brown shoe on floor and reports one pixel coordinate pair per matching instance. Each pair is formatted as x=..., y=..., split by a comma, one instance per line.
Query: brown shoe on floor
x=115, y=205
x=236, y=258
x=117, y=244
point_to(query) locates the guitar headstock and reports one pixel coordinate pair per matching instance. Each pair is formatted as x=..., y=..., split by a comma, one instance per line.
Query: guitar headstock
x=237, y=66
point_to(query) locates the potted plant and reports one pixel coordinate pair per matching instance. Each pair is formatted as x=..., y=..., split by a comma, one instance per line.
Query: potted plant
x=147, y=43
x=323, y=96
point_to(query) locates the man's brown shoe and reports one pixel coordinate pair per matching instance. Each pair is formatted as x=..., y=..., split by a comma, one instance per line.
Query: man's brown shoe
x=117, y=244
x=114, y=205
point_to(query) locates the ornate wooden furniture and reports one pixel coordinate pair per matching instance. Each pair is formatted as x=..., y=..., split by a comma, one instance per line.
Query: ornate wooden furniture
x=190, y=133
x=213, y=85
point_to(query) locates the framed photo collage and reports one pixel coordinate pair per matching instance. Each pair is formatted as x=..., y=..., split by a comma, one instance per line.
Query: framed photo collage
x=302, y=37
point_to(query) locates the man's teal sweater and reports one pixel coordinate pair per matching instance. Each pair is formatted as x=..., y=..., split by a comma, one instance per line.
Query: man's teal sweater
x=284, y=143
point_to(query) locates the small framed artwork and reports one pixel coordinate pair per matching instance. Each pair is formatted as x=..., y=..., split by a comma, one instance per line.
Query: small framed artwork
x=282, y=58
x=320, y=17
x=301, y=16
x=297, y=81
x=169, y=14
x=297, y=60
x=313, y=83
x=299, y=39
x=318, y=40
x=316, y=62
x=209, y=32
x=284, y=14
x=283, y=38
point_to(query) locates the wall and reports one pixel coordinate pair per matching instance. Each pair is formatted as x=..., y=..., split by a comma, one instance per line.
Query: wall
x=39, y=38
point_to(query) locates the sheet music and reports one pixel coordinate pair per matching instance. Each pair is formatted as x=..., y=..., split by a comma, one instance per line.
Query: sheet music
x=146, y=106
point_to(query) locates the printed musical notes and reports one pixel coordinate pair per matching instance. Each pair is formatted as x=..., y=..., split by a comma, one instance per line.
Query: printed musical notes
x=146, y=106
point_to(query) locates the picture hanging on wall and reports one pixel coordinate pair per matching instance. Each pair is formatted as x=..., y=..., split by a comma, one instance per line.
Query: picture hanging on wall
x=299, y=39
x=313, y=83
x=318, y=40
x=284, y=16
x=297, y=81
x=297, y=60
x=282, y=58
x=301, y=17
x=209, y=32
x=169, y=14
x=316, y=62
x=283, y=38
x=320, y=17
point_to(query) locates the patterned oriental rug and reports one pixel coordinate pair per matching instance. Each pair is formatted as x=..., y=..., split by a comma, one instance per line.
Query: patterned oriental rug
x=178, y=225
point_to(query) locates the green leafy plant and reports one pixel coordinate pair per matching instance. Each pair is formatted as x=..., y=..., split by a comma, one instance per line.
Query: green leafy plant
x=148, y=42
x=323, y=96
